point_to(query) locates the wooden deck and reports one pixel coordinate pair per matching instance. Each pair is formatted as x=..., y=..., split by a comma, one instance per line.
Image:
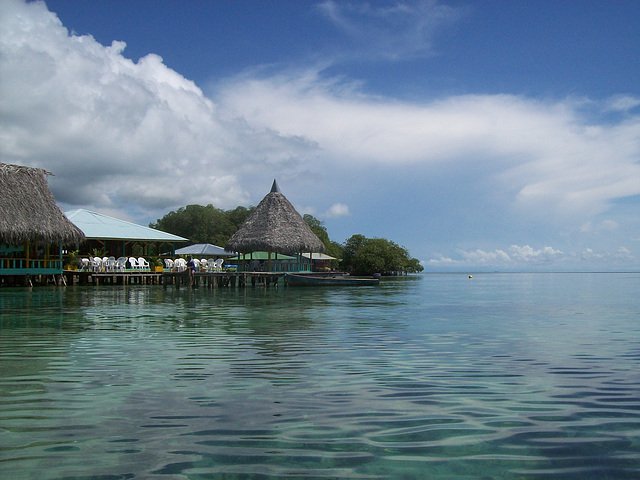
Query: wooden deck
x=80, y=277
x=175, y=279
x=223, y=279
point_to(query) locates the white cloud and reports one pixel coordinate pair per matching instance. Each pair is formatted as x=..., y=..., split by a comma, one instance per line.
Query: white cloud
x=480, y=257
x=622, y=103
x=392, y=32
x=623, y=253
x=527, y=257
x=515, y=256
x=142, y=139
x=117, y=133
x=540, y=154
x=603, y=226
x=528, y=254
x=621, y=256
x=589, y=254
x=442, y=261
x=337, y=210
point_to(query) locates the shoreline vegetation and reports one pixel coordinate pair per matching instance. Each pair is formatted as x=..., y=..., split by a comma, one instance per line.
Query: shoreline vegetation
x=358, y=255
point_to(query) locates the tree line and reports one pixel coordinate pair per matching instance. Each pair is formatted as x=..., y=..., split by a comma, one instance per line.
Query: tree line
x=359, y=255
x=203, y=224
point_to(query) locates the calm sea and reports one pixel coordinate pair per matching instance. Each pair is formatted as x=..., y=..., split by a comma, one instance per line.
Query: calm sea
x=436, y=376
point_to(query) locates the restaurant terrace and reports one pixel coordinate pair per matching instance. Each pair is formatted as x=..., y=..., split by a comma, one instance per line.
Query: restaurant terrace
x=118, y=238
x=33, y=229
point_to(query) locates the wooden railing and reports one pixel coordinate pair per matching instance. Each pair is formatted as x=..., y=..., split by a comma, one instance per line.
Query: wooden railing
x=30, y=264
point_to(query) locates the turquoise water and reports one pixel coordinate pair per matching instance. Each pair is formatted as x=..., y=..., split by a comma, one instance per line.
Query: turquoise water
x=503, y=376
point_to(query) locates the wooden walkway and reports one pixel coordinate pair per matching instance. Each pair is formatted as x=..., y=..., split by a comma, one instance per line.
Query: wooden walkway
x=175, y=279
x=223, y=279
x=79, y=277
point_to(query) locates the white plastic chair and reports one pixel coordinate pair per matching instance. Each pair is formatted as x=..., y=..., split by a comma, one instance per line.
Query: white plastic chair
x=218, y=264
x=109, y=264
x=204, y=264
x=85, y=264
x=180, y=264
x=134, y=263
x=96, y=264
x=121, y=264
x=143, y=264
x=168, y=263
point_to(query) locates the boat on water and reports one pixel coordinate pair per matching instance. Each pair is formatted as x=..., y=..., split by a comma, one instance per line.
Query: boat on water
x=323, y=280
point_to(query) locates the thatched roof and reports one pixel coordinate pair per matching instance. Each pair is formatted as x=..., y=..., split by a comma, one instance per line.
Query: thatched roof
x=275, y=226
x=28, y=211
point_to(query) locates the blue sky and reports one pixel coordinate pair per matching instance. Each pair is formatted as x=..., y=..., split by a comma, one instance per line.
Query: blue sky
x=480, y=135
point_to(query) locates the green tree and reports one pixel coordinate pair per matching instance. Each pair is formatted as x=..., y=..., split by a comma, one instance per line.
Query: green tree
x=237, y=217
x=335, y=250
x=365, y=256
x=331, y=248
x=203, y=224
x=317, y=227
x=350, y=248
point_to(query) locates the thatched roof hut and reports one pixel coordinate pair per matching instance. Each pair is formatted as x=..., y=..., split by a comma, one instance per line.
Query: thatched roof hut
x=29, y=211
x=275, y=226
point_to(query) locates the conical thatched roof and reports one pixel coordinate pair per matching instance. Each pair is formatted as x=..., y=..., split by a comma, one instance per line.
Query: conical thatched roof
x=28, y=211
x=275, y=226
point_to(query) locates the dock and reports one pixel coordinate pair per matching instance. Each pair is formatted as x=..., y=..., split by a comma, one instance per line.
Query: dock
x=224, y=279
x=175, y=279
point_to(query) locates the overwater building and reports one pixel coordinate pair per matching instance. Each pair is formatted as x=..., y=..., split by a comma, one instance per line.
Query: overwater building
x=33, y=229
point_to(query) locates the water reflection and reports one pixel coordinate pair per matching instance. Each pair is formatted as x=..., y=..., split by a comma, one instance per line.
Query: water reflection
x=427, y=377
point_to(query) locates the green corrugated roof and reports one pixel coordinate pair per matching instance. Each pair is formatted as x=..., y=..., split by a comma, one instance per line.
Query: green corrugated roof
x=98, y=226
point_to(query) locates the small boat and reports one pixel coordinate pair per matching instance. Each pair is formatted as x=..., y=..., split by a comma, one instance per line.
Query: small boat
x=325, y=281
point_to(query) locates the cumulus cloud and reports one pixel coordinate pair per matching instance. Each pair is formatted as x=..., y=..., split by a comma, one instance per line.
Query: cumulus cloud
x=118, y=133
x=529, y=254
x=621, y=256
x=337, y=210
x=526, y=257
x=516, y=255
x=623, y=253
x=140, y=138
x=442, y=261
x=513, y=257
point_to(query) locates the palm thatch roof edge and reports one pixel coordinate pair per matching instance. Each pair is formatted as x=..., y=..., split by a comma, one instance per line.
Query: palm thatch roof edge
x=29, y=210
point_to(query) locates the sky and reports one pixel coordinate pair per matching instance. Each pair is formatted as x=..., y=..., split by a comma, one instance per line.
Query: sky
x=500, y=136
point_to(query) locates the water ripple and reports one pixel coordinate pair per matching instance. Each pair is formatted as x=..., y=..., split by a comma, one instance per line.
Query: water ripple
x=423, y=378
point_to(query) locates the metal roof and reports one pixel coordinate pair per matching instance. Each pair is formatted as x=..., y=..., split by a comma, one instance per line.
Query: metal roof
x=319, y=256
x=98, y=226
x=206, y=249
